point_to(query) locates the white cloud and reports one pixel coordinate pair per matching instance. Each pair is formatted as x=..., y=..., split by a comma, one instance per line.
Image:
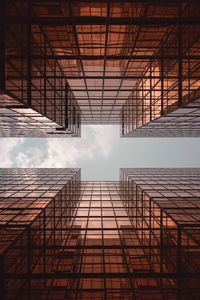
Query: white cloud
x=105, y=137
x=96, y=142
x=6, y=147
x=31, y=158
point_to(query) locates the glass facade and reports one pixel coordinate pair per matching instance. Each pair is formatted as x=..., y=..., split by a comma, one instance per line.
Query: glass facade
x=137, y=238
x=36, y=208
x=163, y=207
x=165, y=99
x=133, y=63
x=67, y=63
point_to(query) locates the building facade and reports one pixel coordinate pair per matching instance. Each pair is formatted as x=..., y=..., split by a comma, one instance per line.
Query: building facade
x=36, y=207
x=66, y=239
x=163, y=207
x=132, y=63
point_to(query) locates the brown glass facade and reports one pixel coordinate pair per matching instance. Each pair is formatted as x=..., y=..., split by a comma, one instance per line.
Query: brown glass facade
x=163, y=207
x=63, y=239
x=133, y=63
x=36, y=208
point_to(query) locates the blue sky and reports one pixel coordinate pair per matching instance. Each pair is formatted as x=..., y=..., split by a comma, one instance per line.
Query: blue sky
x=100, y=152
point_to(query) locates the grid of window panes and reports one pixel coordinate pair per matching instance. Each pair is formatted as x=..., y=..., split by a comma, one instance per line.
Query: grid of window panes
x=19, y=121
x=49, y=106
x=164, y=208
x=35, y=206
x=168, y=80
x=124, y=62
x=182, y=122
x=133, y=239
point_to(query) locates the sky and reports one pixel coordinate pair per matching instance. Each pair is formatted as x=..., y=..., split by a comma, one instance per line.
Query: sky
x=100, y=152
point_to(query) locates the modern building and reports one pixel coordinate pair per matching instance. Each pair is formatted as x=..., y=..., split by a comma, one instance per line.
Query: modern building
x=164, y=210
x=66, y=239
x=36, y=209
x=133, y=63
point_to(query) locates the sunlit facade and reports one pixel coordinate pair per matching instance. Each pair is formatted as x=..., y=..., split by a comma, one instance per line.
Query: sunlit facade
x=137, y=238
x=133, y=63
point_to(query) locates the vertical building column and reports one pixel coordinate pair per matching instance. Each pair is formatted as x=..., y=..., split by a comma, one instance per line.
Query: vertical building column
x=179, y=263
x=150, y=100
x=162, y=80
x=45, y=79
x=66, y=106
x=137, y=99
x=2, y=46
x=161, y=245
x=142, y=101
x=54, y=91
x=180, y=53
x=29, y=59
x=122, y=121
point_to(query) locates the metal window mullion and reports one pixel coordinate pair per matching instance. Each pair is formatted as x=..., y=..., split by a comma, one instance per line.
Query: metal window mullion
x=29, y=55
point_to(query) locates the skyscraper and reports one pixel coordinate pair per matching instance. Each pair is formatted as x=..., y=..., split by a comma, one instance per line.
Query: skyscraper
x=66, y=239
x=36, y=207
x=68, y=63
x=133, y=63
x=163, y=207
